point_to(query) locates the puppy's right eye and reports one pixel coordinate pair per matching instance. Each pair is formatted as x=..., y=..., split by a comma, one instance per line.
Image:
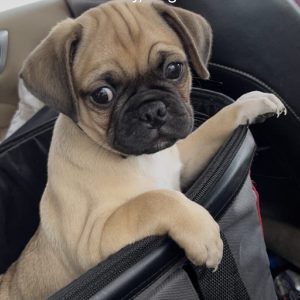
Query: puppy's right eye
x=102, y=96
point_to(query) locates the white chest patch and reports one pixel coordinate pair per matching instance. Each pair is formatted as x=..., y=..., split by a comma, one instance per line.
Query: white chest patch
x=162, y=168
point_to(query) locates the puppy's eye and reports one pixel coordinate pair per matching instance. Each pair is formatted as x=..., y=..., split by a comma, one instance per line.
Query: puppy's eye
x=102, y=96
x=174, y=70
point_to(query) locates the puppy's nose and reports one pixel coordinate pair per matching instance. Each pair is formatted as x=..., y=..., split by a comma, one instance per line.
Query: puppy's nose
x=153, y=113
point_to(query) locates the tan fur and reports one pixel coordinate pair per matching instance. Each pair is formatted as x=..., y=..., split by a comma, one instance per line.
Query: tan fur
x=95, y=201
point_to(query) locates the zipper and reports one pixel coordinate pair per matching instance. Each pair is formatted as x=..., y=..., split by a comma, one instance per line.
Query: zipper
x=203, y=186
x=216, y=168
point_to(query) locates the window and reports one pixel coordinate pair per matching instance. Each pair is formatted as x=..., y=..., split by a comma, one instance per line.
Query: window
x=8, y=4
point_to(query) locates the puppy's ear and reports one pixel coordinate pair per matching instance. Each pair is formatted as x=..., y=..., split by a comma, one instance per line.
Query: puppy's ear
x=194, y=32
x=47, y=72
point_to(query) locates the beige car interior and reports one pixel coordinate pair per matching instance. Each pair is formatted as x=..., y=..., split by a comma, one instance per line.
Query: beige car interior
x=26, y=26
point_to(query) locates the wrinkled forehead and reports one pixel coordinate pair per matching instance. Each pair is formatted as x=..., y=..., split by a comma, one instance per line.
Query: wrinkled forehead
x=123, y=36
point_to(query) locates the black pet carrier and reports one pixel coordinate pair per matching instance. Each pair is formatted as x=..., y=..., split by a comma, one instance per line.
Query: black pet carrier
x=154, y=268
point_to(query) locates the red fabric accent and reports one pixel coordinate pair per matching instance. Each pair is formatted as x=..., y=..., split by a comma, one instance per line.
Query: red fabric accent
x=257, y=204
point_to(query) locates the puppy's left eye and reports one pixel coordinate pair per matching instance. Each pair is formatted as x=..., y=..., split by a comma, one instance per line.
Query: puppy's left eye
x=174, y=70
x=102, y=96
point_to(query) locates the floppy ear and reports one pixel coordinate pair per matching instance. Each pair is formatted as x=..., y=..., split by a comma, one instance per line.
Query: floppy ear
x=194, y=32
x=47, y=72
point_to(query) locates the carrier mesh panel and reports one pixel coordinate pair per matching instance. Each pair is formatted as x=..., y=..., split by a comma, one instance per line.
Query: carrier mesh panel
x=225, y=283
x=177, y=286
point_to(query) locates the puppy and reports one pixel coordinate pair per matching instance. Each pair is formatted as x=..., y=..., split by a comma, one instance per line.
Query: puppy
x=122, y=147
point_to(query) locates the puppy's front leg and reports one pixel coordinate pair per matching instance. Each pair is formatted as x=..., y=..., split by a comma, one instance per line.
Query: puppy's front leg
x=199, y=147
x=165, y=212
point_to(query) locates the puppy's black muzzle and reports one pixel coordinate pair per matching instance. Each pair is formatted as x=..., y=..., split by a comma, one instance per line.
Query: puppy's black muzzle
x=150, y=121
x=154, y=114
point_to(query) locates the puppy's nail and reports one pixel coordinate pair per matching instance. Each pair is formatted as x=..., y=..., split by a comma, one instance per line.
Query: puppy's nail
x=215, y=269
x=278, y=113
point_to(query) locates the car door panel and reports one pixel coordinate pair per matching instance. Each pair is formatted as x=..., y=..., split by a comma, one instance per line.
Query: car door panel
x=26, y=26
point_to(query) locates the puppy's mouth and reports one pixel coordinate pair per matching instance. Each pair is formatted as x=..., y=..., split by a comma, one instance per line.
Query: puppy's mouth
x=150, y=123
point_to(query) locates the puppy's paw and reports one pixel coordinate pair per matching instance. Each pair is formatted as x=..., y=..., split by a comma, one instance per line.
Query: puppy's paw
x=199, y=236
x=256, y=107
